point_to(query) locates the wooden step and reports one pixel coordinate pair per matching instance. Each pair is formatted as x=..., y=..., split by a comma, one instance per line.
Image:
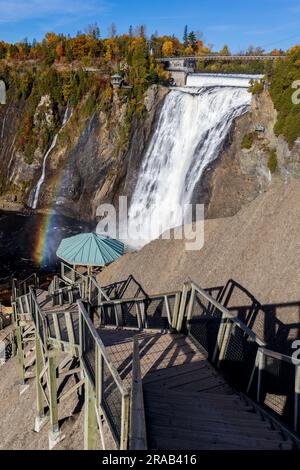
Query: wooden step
x=174, y=372
x=171, y=443
x=201, y=422
x=215, y=399
x=188, y=424
x=201, y=412
x=214, y=437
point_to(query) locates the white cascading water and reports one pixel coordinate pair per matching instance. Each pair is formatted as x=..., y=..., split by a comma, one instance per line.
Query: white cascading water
x=190, y=134
x=221, y=80
x=40, y=182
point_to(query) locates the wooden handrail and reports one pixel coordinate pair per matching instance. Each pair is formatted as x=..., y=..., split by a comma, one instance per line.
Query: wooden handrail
x=139, y=299
x=138, y=435
x=231, y=316
x=279, y=356
x=123, y=390
x=93, y=281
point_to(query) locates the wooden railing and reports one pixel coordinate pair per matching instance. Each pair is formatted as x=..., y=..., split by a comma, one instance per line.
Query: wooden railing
x=91, y=290
x=152, y=312
x=106, y=393
x=278, y=385
x=230, y=344
x=138, y=434
x=270, y=378
x=22, y=287
x=39, y=320
x=70, y=274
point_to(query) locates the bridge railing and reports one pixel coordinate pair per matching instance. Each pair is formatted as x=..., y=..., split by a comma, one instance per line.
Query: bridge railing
x=216, y=56
x=230, y=344
x=111, y=397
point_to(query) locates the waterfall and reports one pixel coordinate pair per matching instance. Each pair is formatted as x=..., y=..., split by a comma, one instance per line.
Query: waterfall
x=190, y=134
x=36, y=193
x=218, y=79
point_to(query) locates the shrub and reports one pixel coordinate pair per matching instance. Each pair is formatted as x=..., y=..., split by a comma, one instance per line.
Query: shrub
x=248, y=141
x=281, y=90
x=272, y=160
x=256, y=87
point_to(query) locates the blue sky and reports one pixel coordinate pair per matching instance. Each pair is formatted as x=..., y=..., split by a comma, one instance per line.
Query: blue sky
x=269, y=23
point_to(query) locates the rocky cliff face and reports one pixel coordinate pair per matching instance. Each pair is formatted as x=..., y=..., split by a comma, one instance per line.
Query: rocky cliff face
x=240, y=174
x=97, y=155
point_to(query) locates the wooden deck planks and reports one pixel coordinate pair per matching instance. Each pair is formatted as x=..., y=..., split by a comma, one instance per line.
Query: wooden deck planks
x=188, y=404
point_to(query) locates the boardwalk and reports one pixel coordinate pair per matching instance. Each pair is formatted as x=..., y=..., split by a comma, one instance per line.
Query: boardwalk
x=188, y=404
x=179, y=388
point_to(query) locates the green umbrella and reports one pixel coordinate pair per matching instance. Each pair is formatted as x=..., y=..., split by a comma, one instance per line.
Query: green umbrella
x=90, y=249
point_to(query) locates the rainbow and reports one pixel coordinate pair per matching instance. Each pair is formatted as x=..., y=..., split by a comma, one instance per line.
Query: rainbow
x=43, y=236
x=42, y=239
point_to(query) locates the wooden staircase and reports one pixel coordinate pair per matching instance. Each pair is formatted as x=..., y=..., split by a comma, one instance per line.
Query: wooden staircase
x=75, y=331
x=191, y=407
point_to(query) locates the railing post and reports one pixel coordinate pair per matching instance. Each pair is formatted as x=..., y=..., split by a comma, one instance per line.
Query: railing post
x=185, y=290
x=124, y=423
x=138, y=316
x=40, y=419
x=166, y=300
x=90, y=417
x=220, y=337
x=225, y=342
x=190, y=308
x=261, y=366
x=116, y=312
x=20, y=354
x=255, y=367
x=20, y=350
x=297, y=399
x=176, y=310
x=54, y=434
x=89, y=288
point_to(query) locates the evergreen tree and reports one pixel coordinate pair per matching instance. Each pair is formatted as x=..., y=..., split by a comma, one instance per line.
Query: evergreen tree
x=192, y=40
x=185, y=37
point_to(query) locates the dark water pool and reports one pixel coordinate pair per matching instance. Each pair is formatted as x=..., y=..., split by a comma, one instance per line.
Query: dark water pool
x=22, y=237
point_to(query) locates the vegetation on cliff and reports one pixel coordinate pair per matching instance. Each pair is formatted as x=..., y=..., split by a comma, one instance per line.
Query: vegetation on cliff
x=285, y=73
x=68, y=83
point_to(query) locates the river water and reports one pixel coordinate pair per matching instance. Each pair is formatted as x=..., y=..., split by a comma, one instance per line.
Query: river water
x=20, y=235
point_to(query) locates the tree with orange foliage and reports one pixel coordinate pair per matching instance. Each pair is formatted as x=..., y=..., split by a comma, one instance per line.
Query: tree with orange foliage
x=167, y=49
x=60, y=50
x=51, y=38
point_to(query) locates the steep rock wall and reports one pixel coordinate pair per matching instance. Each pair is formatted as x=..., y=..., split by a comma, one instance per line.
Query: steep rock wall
x=240, y=174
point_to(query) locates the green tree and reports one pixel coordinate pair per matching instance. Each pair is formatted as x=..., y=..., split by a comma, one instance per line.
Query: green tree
x=185, y=37
x=192, y=39
x=225, y=50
